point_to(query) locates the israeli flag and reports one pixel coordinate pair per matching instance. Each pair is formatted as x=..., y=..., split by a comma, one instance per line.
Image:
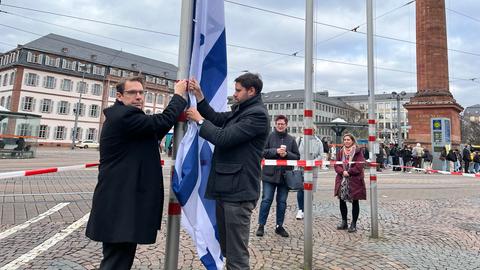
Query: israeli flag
x=192, y=166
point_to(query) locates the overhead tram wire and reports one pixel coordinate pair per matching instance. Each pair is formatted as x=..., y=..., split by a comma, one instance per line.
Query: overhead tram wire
x=92, y=20
x=244, y=5
x=235, y=46
x=86, y=32
x=348, y=30
x=463, y=14
x=354, y=29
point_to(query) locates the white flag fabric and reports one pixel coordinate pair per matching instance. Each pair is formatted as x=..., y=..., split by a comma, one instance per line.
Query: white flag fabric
x=192, y=166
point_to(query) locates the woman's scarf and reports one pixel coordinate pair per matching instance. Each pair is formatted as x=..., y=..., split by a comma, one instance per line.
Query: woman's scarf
x=347, y=157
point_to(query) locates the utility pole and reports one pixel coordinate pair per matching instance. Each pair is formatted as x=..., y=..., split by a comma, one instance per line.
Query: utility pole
x=372, y=140
x=174, y=209
x=77, y=109
x=307, y=133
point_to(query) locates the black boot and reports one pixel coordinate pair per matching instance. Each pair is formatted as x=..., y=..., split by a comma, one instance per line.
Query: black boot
x=353, y=227
x=343, y=225
x=260, y=230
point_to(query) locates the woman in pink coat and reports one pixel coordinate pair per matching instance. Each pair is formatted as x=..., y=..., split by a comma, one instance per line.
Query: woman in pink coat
x=350, y=182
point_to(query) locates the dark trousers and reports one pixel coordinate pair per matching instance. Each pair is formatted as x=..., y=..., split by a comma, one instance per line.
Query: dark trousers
x=355, y=210
x=233, y=221
x=467, y=165
x=118, y=256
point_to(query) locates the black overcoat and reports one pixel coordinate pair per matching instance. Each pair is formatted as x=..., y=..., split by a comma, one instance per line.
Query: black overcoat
x=128, y=199
x=239, y=137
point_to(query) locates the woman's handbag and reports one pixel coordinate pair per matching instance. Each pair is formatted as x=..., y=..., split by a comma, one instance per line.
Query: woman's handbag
x=294, y=179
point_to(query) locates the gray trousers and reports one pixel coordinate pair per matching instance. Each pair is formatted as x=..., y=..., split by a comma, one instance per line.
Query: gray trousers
x=233, y=221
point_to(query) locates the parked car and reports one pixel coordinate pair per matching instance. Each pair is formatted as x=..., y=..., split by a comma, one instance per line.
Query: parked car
x=87, y=144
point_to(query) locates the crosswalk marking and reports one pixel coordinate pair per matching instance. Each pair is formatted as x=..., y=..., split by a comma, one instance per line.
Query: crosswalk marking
x=32, y=254
x=31, y=221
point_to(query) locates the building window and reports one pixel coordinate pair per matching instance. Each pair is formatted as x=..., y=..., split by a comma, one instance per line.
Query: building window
x=78, y=135
x=28, y=104
x=97, y=89
x=149, y=97
x=8, y=103
x=5, y=79
x=59, y=133
x=270, y=106
x=91, y=134
x=115, y=72
x=159, y=99
x=294, y=106
x=300, y=105
x=49, y=82
x=282, y=106
x=300, y=117
x=67, y=64
x=25, y=129
x=294, y=129
x=46, y=106
x=294, y=118
x=170, y=84
x=63, y=107
x=288, y=106
x=93, y=112
x=2, y=101
x=43, y=132
x=275, y=106
x=31, y=79
x=67, y=85
x=81, y=112
x=53, y=62
x=113, y=92
x=97, y=70
x=82, y=87
x=12, y=78
x=34, y=58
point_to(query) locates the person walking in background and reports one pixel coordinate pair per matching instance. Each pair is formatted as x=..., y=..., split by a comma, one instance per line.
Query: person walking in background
x=452, y=160
x=406, y=153
x=316, y=151
x=417, y=153
x=427, y=161
x=458, y=163
x=380, y=158
x=476, y=162
x=349, y=181
x=466, y=154
x=280, y=145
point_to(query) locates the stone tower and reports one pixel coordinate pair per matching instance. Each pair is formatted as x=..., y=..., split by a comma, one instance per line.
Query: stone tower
x=433, y=99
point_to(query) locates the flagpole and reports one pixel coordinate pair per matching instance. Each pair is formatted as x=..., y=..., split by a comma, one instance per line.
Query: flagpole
x=174, y=209
x=307, y=132
x=371, y=122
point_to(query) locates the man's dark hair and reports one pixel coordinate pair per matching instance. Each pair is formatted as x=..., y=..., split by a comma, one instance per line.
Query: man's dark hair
x=121, y=85
x=281, y=117
x=248, y=80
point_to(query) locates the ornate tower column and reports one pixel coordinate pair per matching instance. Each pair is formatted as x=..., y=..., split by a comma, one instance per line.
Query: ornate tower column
x=433, y=113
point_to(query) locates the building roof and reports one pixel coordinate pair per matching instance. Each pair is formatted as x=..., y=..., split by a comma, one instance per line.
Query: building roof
x=299, y=95
x=472, y=110
x=354, y=98
x=54, y=44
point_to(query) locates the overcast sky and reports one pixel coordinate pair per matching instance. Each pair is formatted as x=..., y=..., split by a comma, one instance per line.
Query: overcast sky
x=336, y=49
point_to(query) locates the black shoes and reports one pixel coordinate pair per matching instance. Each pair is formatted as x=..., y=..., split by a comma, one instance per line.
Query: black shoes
x=260, y=230
x=352, y=228
x=343, y=225
x=281, y=231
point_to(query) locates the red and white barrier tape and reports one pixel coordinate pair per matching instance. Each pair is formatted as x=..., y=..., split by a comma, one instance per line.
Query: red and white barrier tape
x=46, y=170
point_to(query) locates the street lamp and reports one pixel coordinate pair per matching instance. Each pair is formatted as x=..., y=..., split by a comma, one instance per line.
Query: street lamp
x=77, y=108
x=398, y=97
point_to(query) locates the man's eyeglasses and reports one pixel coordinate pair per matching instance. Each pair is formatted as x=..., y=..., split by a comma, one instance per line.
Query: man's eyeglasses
x=134, y=92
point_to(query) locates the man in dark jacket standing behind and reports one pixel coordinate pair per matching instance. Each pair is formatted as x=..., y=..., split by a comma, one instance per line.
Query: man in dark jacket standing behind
x=234, y=182
x=128, y=199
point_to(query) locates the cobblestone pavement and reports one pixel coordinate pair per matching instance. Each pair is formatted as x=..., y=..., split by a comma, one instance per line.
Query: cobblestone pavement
x=425, y=221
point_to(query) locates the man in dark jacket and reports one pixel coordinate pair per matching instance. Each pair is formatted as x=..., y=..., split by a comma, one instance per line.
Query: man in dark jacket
x=467, y=158
x=128, y=199
x=239, y=137
x=280, y=145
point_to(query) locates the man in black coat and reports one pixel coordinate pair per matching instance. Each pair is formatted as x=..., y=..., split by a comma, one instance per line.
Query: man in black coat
x=467, y=158
x=234, y=182
x=128, y=199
